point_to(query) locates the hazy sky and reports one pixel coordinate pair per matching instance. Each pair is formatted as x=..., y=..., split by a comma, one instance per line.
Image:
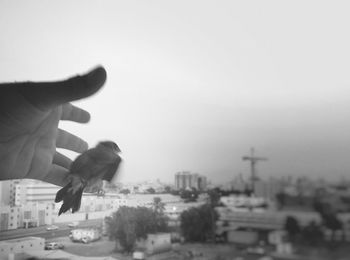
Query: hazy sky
x=192, y=85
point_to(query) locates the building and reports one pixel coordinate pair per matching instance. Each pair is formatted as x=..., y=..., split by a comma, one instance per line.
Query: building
x=37, y=214
x=21, y=245
x=143, y=187
x=238, y=184
x=268, y=189
x=30, y=191
x=245, y=203
x=187, y=180
x=173, y=210
x=10, y=217
x=8, y=192
x=155, y=243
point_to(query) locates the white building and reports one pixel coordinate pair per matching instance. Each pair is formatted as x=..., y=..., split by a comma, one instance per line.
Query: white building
x=268, y=188
x=187, y=180
x=237, y=184
x=21, y=245
x=10, y=217
x=30, y=191
x=37, y=214
x=155, y=243
x=8, y=191
x=36, y=207
x=244, y=203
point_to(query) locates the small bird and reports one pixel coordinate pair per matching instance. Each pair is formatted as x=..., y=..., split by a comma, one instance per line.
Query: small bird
x=87, y=171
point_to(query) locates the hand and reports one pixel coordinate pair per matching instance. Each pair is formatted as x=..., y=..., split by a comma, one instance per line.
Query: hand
x=29, y=133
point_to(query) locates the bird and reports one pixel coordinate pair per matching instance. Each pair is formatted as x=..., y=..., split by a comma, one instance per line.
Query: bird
x=87, y=171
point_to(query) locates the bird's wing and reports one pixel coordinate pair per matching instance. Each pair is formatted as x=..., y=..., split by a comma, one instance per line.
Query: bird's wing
x=80, y=162
x=112, y=169
x=91, y=157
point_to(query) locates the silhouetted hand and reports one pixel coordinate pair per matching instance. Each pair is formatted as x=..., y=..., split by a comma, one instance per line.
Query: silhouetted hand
x=29, y=133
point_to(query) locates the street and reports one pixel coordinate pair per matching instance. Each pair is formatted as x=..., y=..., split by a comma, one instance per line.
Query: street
x=63, y=230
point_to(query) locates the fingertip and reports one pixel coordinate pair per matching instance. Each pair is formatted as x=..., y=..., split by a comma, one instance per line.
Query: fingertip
x=84, y=146
x=96, y=78
x=82, y=116
x=87, y=117
x=85, y=85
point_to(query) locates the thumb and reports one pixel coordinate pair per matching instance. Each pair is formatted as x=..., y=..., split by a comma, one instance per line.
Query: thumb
x=45, y=95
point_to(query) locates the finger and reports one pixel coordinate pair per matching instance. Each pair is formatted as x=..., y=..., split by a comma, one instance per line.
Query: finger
x=73, y=113
x=71, y=142
x=61, y=160
x=57, y=175
x=45, y=95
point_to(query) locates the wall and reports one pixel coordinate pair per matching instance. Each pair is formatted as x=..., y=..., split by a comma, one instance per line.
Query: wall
x=10, y=217
x=21, y=245
x=155, y=243
x=68, y=217
x=242, y=237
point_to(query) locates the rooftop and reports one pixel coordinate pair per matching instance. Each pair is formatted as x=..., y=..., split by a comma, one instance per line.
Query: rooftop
x=17, y=240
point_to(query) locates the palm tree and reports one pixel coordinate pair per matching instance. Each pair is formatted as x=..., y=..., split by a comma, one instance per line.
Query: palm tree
x=158, y=205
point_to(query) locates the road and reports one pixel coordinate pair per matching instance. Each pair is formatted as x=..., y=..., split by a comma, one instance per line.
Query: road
x=63, y=230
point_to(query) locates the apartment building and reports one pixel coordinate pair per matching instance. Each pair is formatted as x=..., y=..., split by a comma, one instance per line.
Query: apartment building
x=8, y=192
x=27, y=192
x=185, y=180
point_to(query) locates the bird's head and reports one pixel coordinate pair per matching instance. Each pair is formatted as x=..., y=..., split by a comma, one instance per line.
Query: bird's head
x=110, y=145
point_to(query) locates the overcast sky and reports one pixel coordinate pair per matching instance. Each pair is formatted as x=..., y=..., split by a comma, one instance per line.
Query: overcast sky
x=192, y=85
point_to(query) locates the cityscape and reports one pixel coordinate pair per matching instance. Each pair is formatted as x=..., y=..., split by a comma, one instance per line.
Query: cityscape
x=254, y=217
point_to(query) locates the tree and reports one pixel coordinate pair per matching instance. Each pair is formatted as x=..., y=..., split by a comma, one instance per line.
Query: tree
x=197, y=223
x=125, y=191
x=129, y=224
x=281, y=199
x=214, y=197
x=158, y=205
x=151, y=190
x=175, y=192
x=333, y=223
x=160, y=217
x=292, y=227
x=312, y=233
x=189, y=194
x=329, y=216
x=167, y=189
x=122, y=227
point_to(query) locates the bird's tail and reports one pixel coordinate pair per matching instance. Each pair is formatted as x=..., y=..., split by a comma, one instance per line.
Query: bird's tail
x=71, y=199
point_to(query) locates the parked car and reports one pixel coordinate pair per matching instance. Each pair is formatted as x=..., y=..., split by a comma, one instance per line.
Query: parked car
x=73, y=224
x=53, y=246
x=51, y=227
x=138, y=255
x=256, y=250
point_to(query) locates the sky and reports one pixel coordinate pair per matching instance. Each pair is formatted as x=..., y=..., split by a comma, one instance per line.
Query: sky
x=193, y=85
